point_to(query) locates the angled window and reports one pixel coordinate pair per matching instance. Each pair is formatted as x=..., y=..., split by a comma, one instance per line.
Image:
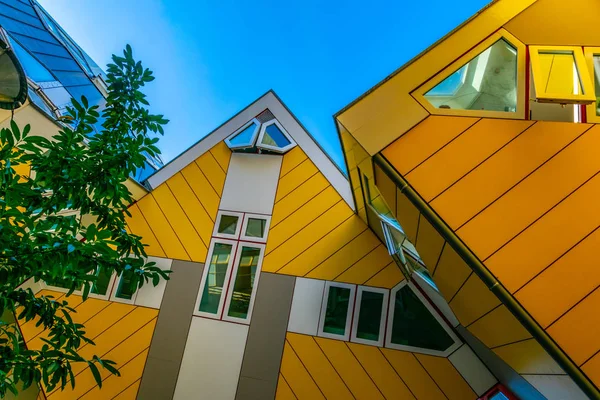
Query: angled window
x=415, y=326
x=368, y=325
x=274, y=137
x=489, y=80
x=592, y=56
x=228, y=224
x=245, y=136
x=33, y=68
x=255, y=227
x=560, y=75
x=245, y=281
x=336, y=311
x=215, y=278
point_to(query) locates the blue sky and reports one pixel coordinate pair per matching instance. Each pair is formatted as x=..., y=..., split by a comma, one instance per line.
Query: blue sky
x=213, y=58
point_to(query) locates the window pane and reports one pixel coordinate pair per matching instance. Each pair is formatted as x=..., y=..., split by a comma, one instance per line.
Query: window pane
x=597, y=82
x=413, y=324
x=499, y=396
x=244, y=282
x=227, y=224
x=336, y=314
x=487, y=82
x=255, y=228
x=244, y=138
x=274, y=137
x=126, y=289
x=369, y=317
x=215, y=278
x=101, y=285
x=559, y=73
x=33, y=68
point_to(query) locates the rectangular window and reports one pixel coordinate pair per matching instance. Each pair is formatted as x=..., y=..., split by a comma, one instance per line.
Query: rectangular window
x=369, y=319
x=244, y=282
x=592, y=55
x=103, y=281
x=215, y=278
x=228, y=224
x=255, y=227
x=336, y=311
x=126, y=289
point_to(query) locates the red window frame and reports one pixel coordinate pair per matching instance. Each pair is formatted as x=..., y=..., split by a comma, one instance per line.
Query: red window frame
x=499, y=388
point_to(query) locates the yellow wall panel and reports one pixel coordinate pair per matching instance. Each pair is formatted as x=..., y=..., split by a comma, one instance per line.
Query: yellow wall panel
x=532, y=197
x=300, y=381
x=185, y=231
x=291, y=160
x=105, y=318
x=325, y=247
x=130, y=393
x=463, y=154
x=387, y=278
x=408, y=216
x=222, y=154
x=558, y=288
x=429, y=243
x=297, y=198
x=413, y=374
x=162, y=229
x=447, y=377
x=381, y=372
x=346, y=256
x=473, y=300
x=284, y=392
x=202, y=188
x=213, y=172
x=366, y=267
x=306, y=214
x=558, y=23
x=295, y=178
x=307, y=237
x=29, y=330
x=528, y=357
x=139, y=226
x=451, y=272
x=578, y=331
x=498, y=328
x=500, y=172
x=318, y=366
x=592, y=369
x=386, y=187
x=196, y=213
x=348, y=367
x=415, y=146
x=534, y=249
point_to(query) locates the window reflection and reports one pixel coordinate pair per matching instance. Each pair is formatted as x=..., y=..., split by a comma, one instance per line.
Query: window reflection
x=244, y=282
x=215, y=279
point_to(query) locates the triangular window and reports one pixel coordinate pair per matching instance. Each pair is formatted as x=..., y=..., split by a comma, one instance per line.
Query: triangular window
x=274, y=137
x=258, y=136
x=245, y=136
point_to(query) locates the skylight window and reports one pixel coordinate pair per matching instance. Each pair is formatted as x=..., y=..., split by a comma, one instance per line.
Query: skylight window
x=257, y=136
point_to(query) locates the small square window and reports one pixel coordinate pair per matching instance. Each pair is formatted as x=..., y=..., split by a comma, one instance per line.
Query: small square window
x=336, y=311
x=255, y=227
x=369, y=321
x=228, y=224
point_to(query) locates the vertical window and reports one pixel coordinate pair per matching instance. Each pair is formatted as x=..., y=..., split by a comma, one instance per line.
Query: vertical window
x=126, y=289
x=103, y=280
x=228, y=224
x=592, y=55
x=244, y=282
x=215, y=278
x=369, y=320
x=255, y=228
x=336, y=311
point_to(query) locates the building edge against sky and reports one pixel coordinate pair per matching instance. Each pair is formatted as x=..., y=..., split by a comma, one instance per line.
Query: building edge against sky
x=442, y=269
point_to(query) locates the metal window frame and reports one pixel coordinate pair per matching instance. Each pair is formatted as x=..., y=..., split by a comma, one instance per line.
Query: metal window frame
x=277, y=149
x=240, y=130
x=349, y=312
x=266, y=218
x=589, y=53
x=383, y=318
x=238, y=226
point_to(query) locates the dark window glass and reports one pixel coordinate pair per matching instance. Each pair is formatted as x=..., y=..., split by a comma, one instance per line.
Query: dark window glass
x=63, y=64
x=255, y=227
x=35, y=45
x=413, y=324
x=101, y=285
x=126, y=287
x=228, y=224
x=369, y=317
x=244, y=138
x=33, y=68
x=244, y=282
x=15, y=26
x=274, y=137
x=215, y=279
x=336, y=313
x=19, y=15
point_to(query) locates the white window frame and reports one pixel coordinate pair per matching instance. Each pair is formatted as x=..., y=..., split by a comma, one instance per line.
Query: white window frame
x=231, y=282
x=243, y=236
x=277, y=149
x=232, y=257
x=238, y=227
x=106, y=296
x=255, y=134
x=390, y=324
x=383, y=318
x=115, y=287
x=351, y=305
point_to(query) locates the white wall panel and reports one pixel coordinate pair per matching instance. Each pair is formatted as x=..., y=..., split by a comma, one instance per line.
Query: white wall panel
x=306, y=306
x=251, y=183
x=472, y=369
x=30, y=284
x=150, y=295
x=556, y=387
x=212, y=360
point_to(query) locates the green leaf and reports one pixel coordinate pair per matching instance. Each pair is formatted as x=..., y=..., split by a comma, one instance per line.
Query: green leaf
x=95, y=373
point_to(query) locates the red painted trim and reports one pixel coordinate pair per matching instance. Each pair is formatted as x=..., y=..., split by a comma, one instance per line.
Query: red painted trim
x=499, y=388
x=527, y=82
x=583, y=109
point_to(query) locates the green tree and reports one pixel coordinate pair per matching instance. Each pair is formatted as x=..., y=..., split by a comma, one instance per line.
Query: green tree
x=66, y=223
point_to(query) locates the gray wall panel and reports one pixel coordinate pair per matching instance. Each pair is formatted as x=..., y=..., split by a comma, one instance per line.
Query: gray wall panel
x=266, y=337
x=170, y=335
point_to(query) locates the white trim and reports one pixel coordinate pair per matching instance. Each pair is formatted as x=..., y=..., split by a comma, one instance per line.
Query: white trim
x=266, y=218
x=384, y=314
x=263, y=131
x=197, y=311
x=388, y=336
x=106, y=296
x=349, y=312
x=238, y=226
x=252, y=139
x=233, y=275
x=115, y=288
